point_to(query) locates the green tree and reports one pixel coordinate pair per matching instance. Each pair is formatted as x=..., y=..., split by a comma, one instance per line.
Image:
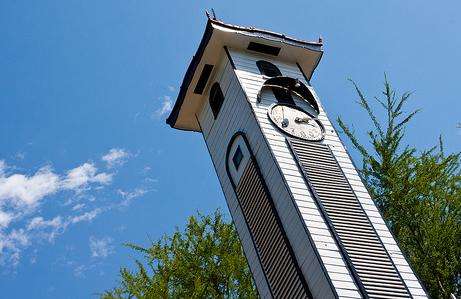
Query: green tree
x=205, y=260
x=418, y=192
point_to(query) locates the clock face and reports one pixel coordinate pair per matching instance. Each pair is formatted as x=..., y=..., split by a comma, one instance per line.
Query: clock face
x=296, y=122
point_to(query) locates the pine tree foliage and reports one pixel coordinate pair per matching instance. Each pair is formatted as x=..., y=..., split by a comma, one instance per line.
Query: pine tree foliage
x=418, y=192
x=203, y=261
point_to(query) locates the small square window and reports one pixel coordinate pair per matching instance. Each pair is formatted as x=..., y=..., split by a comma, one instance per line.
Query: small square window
x=237, y=158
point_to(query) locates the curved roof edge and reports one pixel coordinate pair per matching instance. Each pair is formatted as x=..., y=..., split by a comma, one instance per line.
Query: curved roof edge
x=267, y=32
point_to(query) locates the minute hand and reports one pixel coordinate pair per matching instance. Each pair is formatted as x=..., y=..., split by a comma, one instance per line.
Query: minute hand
x=302, y=120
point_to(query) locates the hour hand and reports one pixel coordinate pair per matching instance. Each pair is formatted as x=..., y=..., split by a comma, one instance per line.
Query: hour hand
x=285, y=122
x=302, y=120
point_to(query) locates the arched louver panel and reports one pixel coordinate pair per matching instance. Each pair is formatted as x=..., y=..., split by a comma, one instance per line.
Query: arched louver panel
x=271, y=70
x=216, y=99
x=274, y=251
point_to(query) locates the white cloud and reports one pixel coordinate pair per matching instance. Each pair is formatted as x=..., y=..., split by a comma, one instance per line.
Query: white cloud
x=49, y=229
x=5, y=219
x=39, y=222
x=79, y=271
x=10, y=246
x=133, y=194
x=2, y=167
x=10, y=240
x=101, y=248
x=115, y=157
x=82, y=175
x=129, y=196
x=78, y=207
x=46, y=229
x=150, y=180
x=22, y=195
x=87, y=216
x=171, y=88
x=26, y=191
x=38, y=229
x=166, y=107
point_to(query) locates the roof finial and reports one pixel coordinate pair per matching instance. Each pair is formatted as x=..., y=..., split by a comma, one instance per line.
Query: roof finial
x=320, y=39
x=214, y=14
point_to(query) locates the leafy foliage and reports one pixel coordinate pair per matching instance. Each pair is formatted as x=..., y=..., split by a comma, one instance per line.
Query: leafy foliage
x=203, y=261
x=418, y=193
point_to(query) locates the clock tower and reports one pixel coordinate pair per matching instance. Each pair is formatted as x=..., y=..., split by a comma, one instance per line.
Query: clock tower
x=307, y=224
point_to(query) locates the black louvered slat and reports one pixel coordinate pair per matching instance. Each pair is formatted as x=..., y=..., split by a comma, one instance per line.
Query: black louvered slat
x=283, y=275
x=360, y=245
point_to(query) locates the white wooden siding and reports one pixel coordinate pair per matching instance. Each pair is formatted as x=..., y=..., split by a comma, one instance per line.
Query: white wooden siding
x=236, y=115
x=209, y=127
x=251, y=81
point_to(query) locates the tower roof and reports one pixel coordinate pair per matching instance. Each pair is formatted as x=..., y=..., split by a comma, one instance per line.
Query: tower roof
x=218, y=35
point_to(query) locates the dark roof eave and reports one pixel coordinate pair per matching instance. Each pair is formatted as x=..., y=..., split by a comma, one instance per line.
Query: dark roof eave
x=171, y=120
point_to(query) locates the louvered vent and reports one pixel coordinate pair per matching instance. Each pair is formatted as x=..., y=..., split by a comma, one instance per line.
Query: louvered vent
x=361, y=247
x=283, y=275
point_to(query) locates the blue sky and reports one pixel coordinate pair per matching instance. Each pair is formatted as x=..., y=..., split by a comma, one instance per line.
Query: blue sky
x=87, y=162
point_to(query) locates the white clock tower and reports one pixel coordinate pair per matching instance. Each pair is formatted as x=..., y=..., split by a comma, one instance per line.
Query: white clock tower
x=307, y=224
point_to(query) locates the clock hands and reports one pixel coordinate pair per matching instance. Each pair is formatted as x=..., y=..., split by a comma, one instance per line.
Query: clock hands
x=285, y=120
x=302, y=120
x=305, y=120
x=296, y=122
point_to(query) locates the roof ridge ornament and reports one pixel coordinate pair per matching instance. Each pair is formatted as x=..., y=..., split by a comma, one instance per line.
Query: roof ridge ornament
x=212, y=16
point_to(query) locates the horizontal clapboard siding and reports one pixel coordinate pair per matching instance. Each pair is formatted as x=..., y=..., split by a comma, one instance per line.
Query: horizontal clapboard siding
x=226, y=122
x=236, y=115
x=251, y=81
x=355, y=234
